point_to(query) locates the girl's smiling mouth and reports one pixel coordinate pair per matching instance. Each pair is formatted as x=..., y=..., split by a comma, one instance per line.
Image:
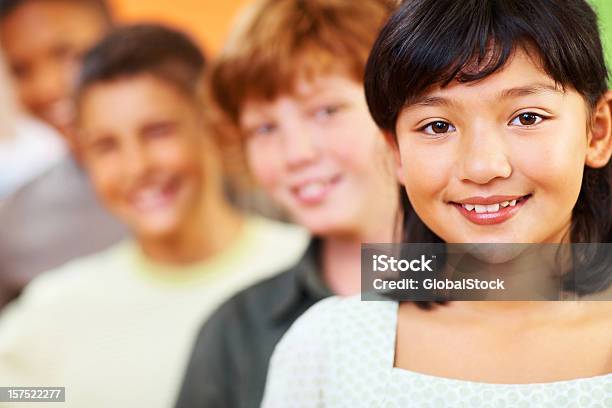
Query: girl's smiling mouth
x=490, y=210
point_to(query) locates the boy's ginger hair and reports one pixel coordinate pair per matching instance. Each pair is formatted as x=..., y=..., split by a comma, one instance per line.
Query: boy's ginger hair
x=276, y=42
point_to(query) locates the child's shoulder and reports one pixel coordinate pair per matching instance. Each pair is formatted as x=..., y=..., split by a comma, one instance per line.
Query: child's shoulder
x=337, y=320
x=336, y=343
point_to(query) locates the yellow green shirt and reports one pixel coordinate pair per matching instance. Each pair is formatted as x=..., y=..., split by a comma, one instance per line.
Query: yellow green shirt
x=116, y=329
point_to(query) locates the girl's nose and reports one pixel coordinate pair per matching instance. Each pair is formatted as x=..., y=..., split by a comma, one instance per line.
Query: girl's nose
x=483, y=157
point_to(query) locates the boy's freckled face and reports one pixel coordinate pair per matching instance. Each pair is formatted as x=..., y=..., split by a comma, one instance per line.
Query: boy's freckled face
x=497, y=160
x=318, y=153
x=43, y=42
x=141, y=140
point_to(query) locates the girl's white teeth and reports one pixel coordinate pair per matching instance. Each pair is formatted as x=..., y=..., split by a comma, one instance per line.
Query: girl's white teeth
x=493, y=208
x=480, y=209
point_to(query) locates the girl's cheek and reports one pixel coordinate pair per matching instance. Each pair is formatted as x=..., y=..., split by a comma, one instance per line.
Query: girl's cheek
x=552, y=162
x=425, y=171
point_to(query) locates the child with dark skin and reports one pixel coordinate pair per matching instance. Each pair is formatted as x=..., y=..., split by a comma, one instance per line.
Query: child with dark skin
x=44, y=222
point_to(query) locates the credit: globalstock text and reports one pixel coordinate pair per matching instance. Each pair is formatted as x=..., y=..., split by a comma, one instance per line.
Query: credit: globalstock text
x=385, y=263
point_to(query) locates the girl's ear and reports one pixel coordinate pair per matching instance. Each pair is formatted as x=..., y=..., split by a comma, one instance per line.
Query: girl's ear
x=599, y=149
x=397, y=159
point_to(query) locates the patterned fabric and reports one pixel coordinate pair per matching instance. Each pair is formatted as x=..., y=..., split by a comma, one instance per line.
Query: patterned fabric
x=340, y=354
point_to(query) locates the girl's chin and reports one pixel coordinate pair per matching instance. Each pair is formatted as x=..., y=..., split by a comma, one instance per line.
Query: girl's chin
x=497, y=236
x=485, y=239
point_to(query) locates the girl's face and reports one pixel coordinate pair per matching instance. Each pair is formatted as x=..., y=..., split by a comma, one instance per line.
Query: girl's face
x=318, y=154
x=141, y=141
x=495, y=160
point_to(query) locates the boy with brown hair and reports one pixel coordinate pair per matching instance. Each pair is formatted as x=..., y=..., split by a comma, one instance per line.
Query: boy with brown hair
x=290, y=80
x=123, y=320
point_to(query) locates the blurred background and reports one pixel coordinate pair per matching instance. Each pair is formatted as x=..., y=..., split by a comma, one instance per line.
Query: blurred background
x=208, y=21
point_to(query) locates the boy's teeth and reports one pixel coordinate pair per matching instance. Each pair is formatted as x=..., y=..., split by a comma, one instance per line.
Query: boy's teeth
x=149, y=198
x=504, y=203
x=513, y=203
x=311, y=189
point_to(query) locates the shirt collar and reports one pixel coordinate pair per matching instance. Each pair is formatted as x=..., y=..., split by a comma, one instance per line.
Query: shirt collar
x=303, y=283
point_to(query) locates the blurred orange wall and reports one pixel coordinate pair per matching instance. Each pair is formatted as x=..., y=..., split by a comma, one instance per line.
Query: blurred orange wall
x=208, y=21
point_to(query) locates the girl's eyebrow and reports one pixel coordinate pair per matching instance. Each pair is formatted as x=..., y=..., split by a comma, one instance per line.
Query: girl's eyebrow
x=531, y=89
x=430, y=101
x=516, y=92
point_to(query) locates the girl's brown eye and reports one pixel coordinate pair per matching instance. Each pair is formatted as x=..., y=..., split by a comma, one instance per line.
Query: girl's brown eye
x=439, y=127
x=528, y=119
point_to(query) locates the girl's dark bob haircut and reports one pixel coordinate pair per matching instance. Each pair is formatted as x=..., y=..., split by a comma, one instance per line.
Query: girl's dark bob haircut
x=429, y=43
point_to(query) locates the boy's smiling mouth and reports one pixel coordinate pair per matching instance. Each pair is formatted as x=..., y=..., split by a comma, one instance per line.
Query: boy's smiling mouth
x=314, y=191
x=155, y=197
x=490, y=210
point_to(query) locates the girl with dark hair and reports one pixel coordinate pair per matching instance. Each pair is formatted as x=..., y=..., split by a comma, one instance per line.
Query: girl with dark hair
x=501, y=122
